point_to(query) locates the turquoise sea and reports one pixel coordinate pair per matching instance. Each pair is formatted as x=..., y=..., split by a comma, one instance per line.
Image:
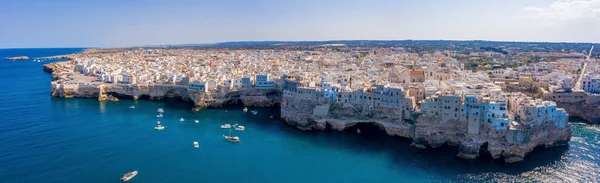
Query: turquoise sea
x=45, y=139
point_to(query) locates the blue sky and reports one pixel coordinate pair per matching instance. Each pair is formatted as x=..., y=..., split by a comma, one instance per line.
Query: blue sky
x=114, y=23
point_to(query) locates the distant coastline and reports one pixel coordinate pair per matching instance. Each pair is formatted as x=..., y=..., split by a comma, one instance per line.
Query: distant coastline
x=17, y=58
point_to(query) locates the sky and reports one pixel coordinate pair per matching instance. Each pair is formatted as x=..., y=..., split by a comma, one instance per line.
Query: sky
x=118, y=23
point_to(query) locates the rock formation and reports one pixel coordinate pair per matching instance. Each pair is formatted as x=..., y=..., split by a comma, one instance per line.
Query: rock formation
x=17, y=58
x=426, y=131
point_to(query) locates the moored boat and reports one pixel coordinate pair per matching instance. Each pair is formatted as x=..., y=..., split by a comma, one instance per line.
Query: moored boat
x=196, y=145
x=225, y=126
x=196, y=121
x=245, y=109
x=231, y=138
x=128, y=176
x=234, y=139
x=195, y=109
x=159, y=116
x=240, y=128
x=160, y=110
x=132, y=107
x=254, y=112
x=158, y=126
x=181, y=119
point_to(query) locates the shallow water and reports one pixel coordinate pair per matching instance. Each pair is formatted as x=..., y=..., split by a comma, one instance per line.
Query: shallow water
x=44, y=139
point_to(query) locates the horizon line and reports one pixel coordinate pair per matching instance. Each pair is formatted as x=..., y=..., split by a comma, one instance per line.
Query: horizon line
x=294, y=41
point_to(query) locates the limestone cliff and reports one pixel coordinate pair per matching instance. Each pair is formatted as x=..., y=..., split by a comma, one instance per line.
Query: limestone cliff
x=319, y=115
x=219, y=98
x=578, y=104
x=583, y=110
x=428, y=131
x=310, y=112
x=511, y=145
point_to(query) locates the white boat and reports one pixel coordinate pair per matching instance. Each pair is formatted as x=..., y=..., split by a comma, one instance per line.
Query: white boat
x=240, y=128
x=160, y=110
x=225, y=126
x=358, y=131
x=158, y=126
x=231, y=138
x=132, y=107
x=159, y=116
x=234, y=139
x=196, y=121
x=128, y=176
x=181, y=119
x=196, y=145
x=245, y=109
x=254, y=112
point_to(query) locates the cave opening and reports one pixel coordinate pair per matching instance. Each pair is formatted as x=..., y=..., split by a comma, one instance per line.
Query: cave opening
x=119, y=96
x=484, y=153
x=144, y=97
x=369, y=130
x=233, y=104
x=178, y=103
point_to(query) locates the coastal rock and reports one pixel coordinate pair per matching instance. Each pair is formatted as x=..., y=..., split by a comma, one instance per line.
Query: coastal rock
x=305, y=113
x=583, y=110
x=309, y=115
x=17, y=58
x=578, y=104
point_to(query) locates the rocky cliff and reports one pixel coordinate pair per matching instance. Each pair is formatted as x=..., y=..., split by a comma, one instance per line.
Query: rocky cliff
x=433, y=132
x=427, y=132
x=583, y=110
x=320, y=114
x=219, y=98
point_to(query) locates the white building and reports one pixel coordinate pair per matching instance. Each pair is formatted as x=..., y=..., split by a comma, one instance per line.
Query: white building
x=262, y=82
x=591, y=84
x=197, y=86
x=246, y=83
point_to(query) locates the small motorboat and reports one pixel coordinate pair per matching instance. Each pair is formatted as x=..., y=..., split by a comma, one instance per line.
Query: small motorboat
x=128, y=176
x=271, y=117
x=132, y=107
x=181, y=119
x=160, y=110
x=158, y=126
x=254, y=112
x=159, y=116
x=240, y=128
x=196, y=121
x=196, y=145
x=195, y=109
x=234, y=139
x=225, y=126
x=245, y=109
x=358, y=131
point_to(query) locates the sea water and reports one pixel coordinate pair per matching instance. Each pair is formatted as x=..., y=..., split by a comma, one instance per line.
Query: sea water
x=45, y=139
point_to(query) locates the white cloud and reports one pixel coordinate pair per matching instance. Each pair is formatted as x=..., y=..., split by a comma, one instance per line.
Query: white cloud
x=567, y=10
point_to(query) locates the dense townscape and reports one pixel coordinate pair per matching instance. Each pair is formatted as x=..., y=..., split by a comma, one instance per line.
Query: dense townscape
x=499, y=98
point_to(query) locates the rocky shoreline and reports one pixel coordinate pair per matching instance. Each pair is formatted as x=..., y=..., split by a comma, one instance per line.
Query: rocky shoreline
x=426, y=131
x=17, y=58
